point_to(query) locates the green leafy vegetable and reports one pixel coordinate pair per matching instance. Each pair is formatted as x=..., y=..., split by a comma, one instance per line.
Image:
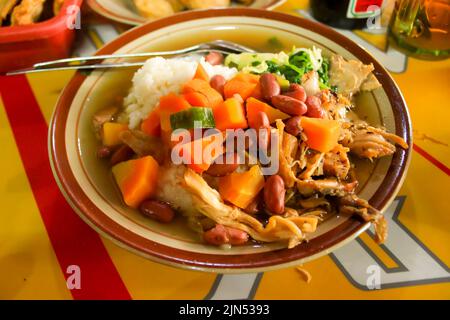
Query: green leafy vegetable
x=255, y=62
x=291, y=73
x=302, y=61
x=290, y=66
x=272, y=67
x=324, y=78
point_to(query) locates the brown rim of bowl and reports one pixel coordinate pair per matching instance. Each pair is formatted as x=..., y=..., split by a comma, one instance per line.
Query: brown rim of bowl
x=161, y=253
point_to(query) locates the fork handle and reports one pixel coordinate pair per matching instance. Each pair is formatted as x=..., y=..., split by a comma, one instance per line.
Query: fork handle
x=113, y=56
x=78, y=67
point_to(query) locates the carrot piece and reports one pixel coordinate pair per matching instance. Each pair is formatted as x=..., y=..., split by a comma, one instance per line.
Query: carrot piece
x=196, y=99
x=241, y=188
x=200, y=154
x=244, y=89
x=322, y=134
x=136, y=179
x=111, y=133
x=201, y=86
x=201, y=73
x=169, y=104
x=173, y=102
x=152, y=125
x=253, y=106
x=230, y=115
x=247, y=77
x=195, y=85
x=213, y=96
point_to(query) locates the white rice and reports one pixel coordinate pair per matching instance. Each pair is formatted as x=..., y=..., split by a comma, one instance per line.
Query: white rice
x=159, y=77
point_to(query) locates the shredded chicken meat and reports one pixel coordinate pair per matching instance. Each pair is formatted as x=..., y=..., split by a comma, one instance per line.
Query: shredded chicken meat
x=369, y=142
x=287, y=147
x=351, y=76
x=208, y=201
x=354, y=205
x=336, y=162
x=329, y=186
x=143, y=144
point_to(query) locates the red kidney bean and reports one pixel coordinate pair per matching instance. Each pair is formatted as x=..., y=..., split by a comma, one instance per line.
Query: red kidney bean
x=274, y=193
x=216, y=236
x=103, y=152
x=220, y=235
x=123, y=153
x=214, y=58
x=157, y=210
x=289, y=105
x=236, y=236
x=292, y=126
x=261, y=121
x=315, y=109
x=296, y=87
x=217, y=82
x=222, y=169
x=296, y=91
x=269, y=86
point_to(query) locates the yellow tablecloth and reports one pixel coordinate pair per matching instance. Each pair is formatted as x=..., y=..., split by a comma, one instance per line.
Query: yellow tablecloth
x=36, y=260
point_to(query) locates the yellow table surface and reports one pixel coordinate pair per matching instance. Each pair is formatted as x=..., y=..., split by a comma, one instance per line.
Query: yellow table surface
x=38, y=247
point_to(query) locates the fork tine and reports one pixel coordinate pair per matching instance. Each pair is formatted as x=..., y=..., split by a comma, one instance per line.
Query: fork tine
x=232, y=46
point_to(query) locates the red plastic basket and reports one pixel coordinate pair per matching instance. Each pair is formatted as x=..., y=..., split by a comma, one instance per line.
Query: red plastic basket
x=22, y=46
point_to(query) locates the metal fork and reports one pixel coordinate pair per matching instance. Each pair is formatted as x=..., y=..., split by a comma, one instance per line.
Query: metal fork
x=94, y=62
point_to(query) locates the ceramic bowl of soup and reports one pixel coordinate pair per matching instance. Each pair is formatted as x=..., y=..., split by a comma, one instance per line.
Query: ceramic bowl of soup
x=88, y=184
